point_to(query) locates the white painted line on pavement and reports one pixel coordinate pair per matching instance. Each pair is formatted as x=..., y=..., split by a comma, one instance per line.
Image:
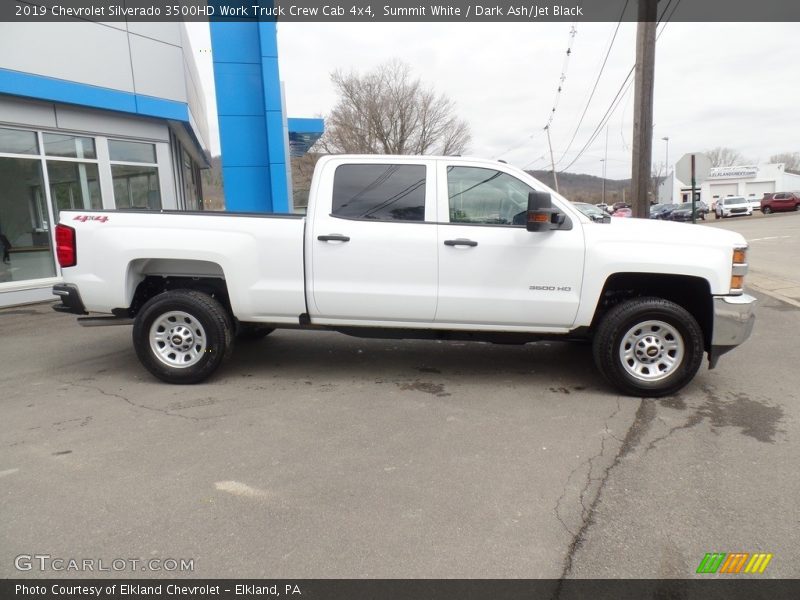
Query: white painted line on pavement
x=8, y=472
x=772, y=237
x=241, y=489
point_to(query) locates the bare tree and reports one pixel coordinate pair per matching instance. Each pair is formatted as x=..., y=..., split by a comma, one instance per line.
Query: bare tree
x=302, y=172
x=387, y=111
x=658, y=174
x=791, y=160
x=725, y=157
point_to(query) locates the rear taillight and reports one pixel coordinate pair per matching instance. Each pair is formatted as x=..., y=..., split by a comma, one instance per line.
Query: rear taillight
x=65, y=246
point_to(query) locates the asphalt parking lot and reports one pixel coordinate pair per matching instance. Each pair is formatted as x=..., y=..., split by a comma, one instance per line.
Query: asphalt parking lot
x=318, y=455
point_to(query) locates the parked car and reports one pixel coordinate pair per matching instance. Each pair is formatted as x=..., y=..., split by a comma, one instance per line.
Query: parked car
x=781, y=201
x=622, y=212
x=732, y=206
x=191, y=283
x=683, y=211
x=591, y=211
x=661, y=211
x=754, y=202
x=617, y=205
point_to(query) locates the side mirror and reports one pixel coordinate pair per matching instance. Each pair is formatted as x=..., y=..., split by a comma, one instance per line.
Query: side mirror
x=540, y=212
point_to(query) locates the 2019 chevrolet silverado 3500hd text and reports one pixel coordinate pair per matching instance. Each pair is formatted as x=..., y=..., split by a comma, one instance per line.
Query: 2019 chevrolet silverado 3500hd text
x=413, y=247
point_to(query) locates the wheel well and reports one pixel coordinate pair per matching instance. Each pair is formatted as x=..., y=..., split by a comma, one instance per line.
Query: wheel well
x=152, y=285
x=692, y=293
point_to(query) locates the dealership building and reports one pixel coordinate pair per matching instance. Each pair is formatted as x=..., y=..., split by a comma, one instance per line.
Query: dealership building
x=112, y=115
x=92, y=115
x=750, y=181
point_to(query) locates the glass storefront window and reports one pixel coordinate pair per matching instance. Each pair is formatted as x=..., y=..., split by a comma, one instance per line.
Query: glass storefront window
x=15, y=141
x=74, y=185
x=43, y=173
x=136, y=187
x=132, y=151
x=25, y=241
x=70, y=146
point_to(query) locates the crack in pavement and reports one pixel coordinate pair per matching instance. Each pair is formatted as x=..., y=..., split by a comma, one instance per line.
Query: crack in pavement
x=164, y=411
x=641, y=423
x=589, y=478
x=690, y=422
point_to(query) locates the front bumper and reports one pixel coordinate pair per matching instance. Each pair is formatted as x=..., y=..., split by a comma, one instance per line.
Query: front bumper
x=733, y=322
x=71, y=301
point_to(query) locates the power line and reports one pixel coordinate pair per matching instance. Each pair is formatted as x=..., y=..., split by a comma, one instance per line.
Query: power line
x=596, y=82
x=573, y=31
x=623, y=88
x=562, y=79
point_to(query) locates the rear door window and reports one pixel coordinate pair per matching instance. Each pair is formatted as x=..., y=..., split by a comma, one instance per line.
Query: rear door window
x=379, y=192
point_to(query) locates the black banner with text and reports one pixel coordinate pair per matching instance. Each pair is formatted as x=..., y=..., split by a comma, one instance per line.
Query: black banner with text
x=394, y=11
x=396, y=589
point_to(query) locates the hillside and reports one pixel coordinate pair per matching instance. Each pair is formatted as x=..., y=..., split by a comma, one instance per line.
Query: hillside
x=586, y=188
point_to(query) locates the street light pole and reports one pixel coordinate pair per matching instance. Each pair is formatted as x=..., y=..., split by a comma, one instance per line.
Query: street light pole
x=666, y=165
x=603, y=160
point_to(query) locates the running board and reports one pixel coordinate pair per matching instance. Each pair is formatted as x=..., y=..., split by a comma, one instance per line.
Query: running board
x=103, y=321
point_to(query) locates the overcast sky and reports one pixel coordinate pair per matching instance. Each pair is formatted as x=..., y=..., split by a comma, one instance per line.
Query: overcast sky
x=717, y=84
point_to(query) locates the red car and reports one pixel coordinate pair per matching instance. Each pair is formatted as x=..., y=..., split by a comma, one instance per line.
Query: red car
x=780, y=201
x=622, y=212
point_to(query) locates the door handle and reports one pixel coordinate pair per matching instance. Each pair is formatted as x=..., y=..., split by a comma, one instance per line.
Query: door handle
x=333, y=237
x=460, y=242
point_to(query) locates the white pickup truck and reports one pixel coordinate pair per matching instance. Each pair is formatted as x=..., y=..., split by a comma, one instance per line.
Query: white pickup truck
x=413, y=247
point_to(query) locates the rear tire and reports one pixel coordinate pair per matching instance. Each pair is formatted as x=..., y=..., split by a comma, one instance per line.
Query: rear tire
x=648, y=347
x=182, y=336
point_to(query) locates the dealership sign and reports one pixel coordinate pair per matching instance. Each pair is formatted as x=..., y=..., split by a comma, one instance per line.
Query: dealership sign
x=746, y=171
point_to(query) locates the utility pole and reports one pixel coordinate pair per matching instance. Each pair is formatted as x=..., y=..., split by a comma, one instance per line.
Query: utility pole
x=552, y=160
x=643, y=107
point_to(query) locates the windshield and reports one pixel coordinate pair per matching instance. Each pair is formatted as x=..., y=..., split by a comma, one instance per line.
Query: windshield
x=730, y=201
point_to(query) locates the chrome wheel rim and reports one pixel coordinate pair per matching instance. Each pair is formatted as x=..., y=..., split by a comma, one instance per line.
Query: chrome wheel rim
x=651, y=350
x=178, y=339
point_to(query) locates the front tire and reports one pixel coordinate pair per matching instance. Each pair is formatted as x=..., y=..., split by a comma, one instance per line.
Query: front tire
x=648, y=347
x=766, y=210
x=182, y=336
